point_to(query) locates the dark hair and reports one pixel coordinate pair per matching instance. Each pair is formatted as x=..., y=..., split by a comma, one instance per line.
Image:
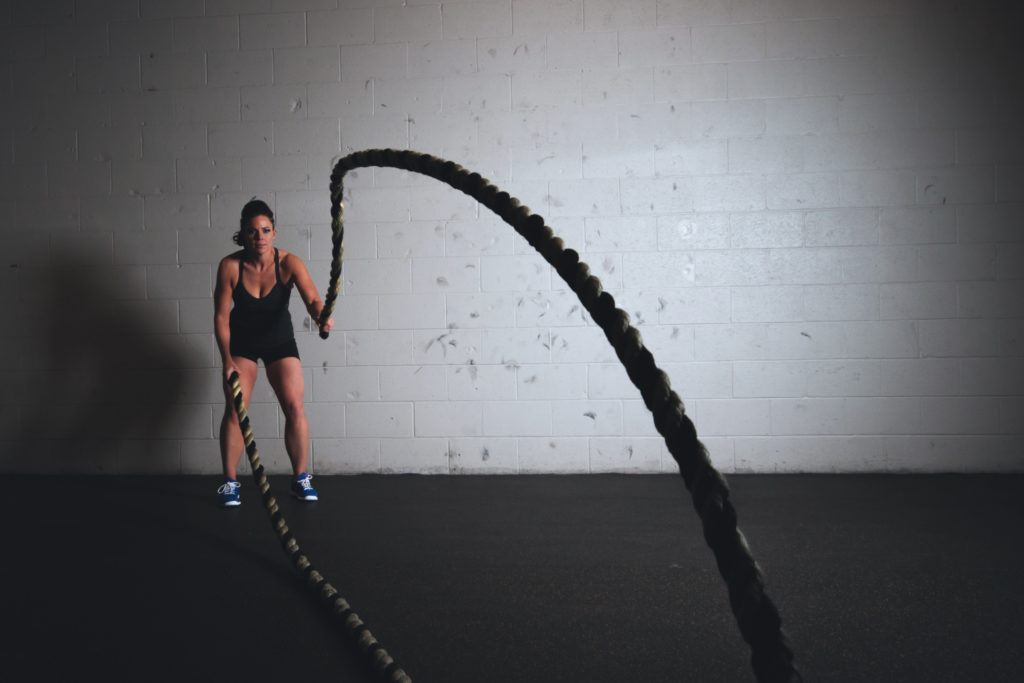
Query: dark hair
x=255, y=207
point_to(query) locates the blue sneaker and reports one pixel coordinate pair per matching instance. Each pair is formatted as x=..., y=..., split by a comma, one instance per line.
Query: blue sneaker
x=302, y=488
x=228, y=492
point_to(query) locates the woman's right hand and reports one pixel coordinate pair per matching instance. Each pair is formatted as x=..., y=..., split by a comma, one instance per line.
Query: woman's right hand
x=229, y=368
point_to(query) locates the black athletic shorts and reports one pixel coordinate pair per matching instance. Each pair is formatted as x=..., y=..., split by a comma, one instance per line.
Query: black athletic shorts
x=268, y=353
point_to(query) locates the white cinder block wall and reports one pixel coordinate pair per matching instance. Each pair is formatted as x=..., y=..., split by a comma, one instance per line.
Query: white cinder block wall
x=810, y=208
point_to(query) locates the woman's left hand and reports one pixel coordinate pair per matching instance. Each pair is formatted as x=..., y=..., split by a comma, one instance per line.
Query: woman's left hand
x=326, y=327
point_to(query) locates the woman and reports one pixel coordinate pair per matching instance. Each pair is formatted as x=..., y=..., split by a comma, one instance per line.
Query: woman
x=252, y=321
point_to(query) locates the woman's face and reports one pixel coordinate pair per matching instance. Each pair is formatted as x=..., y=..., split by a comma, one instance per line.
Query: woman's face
x=259, y=235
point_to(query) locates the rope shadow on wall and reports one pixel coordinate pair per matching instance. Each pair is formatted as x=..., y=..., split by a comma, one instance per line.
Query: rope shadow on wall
x=756, y=614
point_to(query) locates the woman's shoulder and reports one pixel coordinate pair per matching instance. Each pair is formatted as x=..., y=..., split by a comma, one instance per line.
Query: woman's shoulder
x=289, y=260
x=232, y=262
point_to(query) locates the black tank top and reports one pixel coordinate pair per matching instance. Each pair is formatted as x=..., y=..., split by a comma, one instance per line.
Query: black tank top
x=261, y=321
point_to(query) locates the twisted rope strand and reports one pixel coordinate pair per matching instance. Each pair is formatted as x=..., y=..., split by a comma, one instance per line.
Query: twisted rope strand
x=757, y=616
x=383, y=664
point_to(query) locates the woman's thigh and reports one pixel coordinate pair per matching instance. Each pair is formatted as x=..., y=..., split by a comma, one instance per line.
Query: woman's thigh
x=285, y=375
x=247, y=373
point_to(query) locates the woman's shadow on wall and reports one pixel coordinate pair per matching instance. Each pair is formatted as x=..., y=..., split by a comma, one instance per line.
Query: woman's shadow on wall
x=100, y=374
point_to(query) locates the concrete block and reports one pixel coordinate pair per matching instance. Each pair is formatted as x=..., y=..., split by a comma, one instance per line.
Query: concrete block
x=693, y=231
x=613, y=86
x=178, y=282
x=808, y=416
x=307, y=65
x=79, y=40
x=412, y=311
x=730, y=43
x=733, y=417
x=918, y=300
x=245, y=68
x=326, y=420
x=513, y=348
x=537, y=382
x=989, y=376
x=386, y=347
x=553, y=455
x=413, y=97
x=511, y=55
x=802, y=115
x=345, y=456
x=469, y=20
x=690, y=82
x=209, y=105
x=810, y=453
x=413, y=383
x=390, y=420
x=957, y=262
x=535, y=16
x=172, y=70
x=340, y=26
x=877, y=188
x=877, y=112
x=483, y=456
x=120, y=73
x=701, y=380
x=767, y=303
x=146, y=248
x=587, y=418
x=575, y=50
x=637, y=420
x=103, y=143
x=838, y=378
x=111, y=213
x=958, y=185
x=174, y=141
x=766, y=229
x=895, y=339
x=156, y=108
x=621, y=234
x=383, y=276
x=279, y=173
x=734, y=267
x=306, y=136
x=514, y=273
x=177, y=212
x=990, y=299
x=646, y=48
x=199, y=34
x=414, y=456
x=487, y=236
x=447, y=347
x=766, y=79
x=730, y=342
x=241, y=139
x=627, y=455
x=771, y=379
x=959, y=337
x=171, y=8
x=961, y=415
x=549, y=309
x=263, y=31
x=408, y=24
x=841, y=227
x=693, y=12
x=328, y=100
x=209, y=175
x=383, y=131
x=78, y=177
x=546, y=89
x=480, y=310
x=138, y=37
x=274, y=102
x=803, y=39
x=717, y=120
x=481, y=383
x=449, y=418
x=410, y=239
x=802, y=190
x=442, y=58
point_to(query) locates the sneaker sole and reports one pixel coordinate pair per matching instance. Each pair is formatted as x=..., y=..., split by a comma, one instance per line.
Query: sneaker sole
x=231, y=504
x=308, y=499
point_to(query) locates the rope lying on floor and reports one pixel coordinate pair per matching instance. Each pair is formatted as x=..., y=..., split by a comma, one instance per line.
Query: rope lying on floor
x=756, y=614
x=382, y=662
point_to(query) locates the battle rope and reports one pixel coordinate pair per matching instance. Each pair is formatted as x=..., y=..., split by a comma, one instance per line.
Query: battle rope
x=756, y=614
x=382, y=662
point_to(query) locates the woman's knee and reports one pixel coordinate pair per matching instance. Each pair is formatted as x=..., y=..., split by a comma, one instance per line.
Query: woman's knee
x=293, y=409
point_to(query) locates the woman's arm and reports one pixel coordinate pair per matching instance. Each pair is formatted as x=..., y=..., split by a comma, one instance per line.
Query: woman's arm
x=307, y=290
x=222, y=313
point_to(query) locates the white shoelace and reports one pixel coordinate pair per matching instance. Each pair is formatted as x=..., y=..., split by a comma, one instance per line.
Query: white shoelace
x=228, y=487
x=305, y=482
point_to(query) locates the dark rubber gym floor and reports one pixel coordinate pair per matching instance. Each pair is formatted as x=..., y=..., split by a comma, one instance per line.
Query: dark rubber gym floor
x=600, y=578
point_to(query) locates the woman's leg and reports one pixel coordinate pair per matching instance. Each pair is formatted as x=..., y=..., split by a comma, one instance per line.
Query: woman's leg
x=285, y=375
x=231, y=443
